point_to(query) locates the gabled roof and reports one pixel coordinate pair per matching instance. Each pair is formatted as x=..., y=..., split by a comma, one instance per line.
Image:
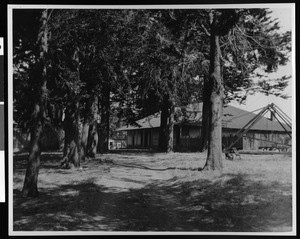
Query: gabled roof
x=152, y=121
x=233, y=118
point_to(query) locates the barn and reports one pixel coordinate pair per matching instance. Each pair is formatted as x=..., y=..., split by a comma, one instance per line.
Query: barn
x=266, y=132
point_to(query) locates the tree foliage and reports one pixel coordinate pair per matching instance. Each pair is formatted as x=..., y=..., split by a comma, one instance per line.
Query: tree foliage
x=130, y=63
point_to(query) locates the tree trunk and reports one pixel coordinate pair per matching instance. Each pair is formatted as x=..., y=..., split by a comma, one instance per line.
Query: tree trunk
x=91, y=136
x=30, y=183
x=103, y=128
x=92, y=140
x=72, y=125
x=206, y=107
x=163, y=130
x=214, y=153
x=171, y=129
x=84, y=140
x=166, y=134
x=71, y=157
x=164, y=125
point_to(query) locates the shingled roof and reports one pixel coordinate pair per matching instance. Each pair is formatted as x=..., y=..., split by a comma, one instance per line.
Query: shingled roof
x=233, y=118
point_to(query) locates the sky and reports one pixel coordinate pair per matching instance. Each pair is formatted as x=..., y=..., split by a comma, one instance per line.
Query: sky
x=253, y=102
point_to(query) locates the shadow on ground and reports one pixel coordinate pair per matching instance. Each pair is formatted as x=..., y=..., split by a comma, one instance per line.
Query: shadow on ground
x=48, y=161
x=233, y=203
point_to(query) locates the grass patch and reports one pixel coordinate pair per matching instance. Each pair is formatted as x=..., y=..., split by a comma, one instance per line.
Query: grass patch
x=251, y=195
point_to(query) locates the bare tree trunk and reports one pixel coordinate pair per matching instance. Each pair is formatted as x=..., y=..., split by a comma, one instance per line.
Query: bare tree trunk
x=163, y=131
x=103, y=129
x=72, y=125
x=71, y=157
x=92, y=140
x=84, y=140
x=164, y=117
x=214, y=153
x=206, y=107
x=30, y=183
x=166, y=134
x=91, y=134
x=171, y=129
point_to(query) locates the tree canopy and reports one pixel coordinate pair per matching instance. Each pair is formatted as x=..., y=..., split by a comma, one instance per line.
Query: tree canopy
x=99, y=64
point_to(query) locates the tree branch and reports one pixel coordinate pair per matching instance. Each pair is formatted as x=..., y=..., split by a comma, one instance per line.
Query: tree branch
x=205, y=30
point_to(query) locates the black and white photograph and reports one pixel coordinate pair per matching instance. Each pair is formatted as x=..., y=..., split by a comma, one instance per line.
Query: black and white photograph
x=151, y=119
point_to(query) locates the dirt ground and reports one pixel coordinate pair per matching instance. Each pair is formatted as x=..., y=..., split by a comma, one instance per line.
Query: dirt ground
x=143, y=192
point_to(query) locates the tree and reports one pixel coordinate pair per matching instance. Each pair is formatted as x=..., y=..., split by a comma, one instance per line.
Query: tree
x=82, y=38
x=168, y=51
x=66, y=70
x=255, y=43
x=39, y=111
x=99, y=40
x=142, y=61
x=25, y=53
x=215, y=87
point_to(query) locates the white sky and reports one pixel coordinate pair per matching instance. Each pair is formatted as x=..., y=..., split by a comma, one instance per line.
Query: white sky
x=253, y=102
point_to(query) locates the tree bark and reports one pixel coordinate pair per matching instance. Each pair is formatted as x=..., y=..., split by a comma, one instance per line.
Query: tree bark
x=71, y=156
x=166, y=133
x=170, y=132
x=90, y=134
x=163, y=132
x=214, y=153
x=92, y=140
x=206, y=107
x=31, y=178
x=103, y=127
x=84, y=140
x=72, y=125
